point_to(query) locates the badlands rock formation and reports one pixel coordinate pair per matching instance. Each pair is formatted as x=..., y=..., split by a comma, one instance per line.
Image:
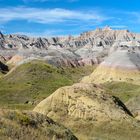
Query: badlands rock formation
x=82, y=101
x=86, y=49
x=85, y=109
x=121, y=65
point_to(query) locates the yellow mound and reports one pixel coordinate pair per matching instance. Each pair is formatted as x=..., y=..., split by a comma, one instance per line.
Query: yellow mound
x=120, y=66
x=83, y=108
x=107, y=74
x=82, y=101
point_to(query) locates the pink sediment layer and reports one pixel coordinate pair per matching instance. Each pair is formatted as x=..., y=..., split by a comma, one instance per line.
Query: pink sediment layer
x=120, y=67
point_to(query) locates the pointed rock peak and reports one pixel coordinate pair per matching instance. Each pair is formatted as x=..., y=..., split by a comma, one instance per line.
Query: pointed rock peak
x=127, y=31
x=107, y=28
x=98, y=29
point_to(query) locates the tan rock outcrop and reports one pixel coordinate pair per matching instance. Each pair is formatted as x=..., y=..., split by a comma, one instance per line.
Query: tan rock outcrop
x=83, y=101
x=15, y=60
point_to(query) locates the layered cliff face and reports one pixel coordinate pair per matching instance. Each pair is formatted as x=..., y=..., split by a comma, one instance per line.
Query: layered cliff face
x=121, y=66
x=87, y=49
x=105, y=37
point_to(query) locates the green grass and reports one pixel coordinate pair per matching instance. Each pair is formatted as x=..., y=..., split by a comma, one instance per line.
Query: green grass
x=124, y=91
x=111, y=131
x=1, y=74
x=30, y=83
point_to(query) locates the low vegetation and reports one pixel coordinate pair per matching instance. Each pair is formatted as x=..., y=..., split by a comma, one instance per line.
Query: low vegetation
x=113, y=130
x=15, y=125
x=124, y=91
x=30, y=83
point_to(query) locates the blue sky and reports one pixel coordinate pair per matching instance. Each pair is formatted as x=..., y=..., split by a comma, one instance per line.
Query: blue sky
x=67, y=17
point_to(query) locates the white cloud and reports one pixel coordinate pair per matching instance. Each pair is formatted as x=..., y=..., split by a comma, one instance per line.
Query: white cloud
x=45, y=16
x=119, y=26
x=46, y=33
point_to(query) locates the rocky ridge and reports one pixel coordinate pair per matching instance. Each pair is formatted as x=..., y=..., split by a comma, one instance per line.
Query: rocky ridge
x=86, y=49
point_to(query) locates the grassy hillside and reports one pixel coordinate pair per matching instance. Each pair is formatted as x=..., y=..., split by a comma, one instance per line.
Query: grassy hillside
x=15, y=125
x=113, y=130
x=30, y=83
x=124, y=91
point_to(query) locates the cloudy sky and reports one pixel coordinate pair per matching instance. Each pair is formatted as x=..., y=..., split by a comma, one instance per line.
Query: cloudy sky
x=67, y=17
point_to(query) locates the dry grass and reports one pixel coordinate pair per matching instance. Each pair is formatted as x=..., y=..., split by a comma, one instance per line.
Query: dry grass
x=16, y=125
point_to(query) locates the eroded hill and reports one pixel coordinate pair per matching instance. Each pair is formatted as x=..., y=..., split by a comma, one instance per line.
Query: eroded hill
x=90, y=112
